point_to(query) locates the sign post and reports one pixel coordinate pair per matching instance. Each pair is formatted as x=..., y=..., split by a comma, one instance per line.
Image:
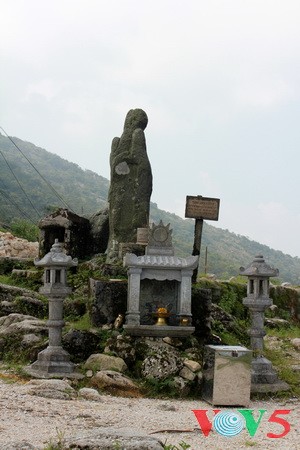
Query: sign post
x=200, y=208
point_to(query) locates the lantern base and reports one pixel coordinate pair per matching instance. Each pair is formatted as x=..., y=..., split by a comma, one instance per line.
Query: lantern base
x=53, y=362
x=264, y=378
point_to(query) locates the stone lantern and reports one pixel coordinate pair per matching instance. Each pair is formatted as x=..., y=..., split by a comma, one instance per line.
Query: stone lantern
x=257, y=300
x=54, y=361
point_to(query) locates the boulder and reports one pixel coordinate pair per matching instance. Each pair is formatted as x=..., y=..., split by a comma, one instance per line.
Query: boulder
x=194, y=366
x=30, y=339
x=115, y=383
x=89, y=394
x=187, y=374
x=108, y=300
x=296, y=343
x=59, y=389
x=20, y=323
x=100, y=230
x=162, y=361
x=182, y=386
x=21, y=301
x=123, y=347
x=11, y=246
x=80, y=344
x=100, y=361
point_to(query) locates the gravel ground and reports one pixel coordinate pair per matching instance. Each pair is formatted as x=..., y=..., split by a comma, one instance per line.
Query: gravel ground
x=39, y=420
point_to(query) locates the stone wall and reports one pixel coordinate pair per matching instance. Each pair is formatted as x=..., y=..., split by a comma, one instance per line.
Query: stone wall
x=14, y=247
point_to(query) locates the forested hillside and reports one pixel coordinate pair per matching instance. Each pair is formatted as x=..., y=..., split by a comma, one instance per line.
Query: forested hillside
x=31, y=194
x=83, y=190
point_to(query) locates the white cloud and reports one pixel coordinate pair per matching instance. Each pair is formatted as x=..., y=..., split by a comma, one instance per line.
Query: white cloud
x=263, y=93
x=211, y=75
x=46, y=88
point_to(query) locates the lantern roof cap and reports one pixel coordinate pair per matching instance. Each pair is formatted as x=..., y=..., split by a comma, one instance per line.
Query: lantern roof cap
x=259, y=268
x=56, y=257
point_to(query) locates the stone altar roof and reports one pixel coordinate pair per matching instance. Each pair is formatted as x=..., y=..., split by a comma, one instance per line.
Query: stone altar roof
x=160, y=261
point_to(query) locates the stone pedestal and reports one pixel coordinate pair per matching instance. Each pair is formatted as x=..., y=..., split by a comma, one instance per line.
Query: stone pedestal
x=53, y=362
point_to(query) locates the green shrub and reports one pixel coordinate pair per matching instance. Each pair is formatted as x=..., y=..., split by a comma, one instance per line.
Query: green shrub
x=25, y=230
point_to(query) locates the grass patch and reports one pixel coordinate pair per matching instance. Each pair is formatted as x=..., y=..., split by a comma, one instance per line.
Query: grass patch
x=283, y=364
x=83, y=323
x=284, y=357
x=182, y=446
x=154, y=388
x=284, y=333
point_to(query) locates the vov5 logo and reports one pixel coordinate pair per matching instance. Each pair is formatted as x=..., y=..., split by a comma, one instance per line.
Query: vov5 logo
x=231, y=423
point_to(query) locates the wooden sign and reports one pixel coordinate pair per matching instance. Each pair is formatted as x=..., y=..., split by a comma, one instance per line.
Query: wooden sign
x=202, y=207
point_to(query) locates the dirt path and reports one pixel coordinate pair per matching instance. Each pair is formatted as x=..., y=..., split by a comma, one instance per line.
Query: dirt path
x=38, y=421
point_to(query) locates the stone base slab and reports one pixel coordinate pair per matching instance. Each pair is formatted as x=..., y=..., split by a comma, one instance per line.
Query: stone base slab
x=52, y=362
x=45, y=375
x=158, y=331
x=264, y=387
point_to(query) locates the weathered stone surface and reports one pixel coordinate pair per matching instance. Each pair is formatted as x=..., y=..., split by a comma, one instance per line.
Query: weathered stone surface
x=100, y=230
x=89, y=394
x=100, y=361
x=115, y=383
x=181, y=385
x=199, y=377
x=277, y=323
x=194, y=353
x=111, y=439
x=187, y=374
x=80, y=344
x=19, y=323
x=296, y=343
x=162, y=361
x=172, y=341
x=22, y=301
x=194, y=366
x=109, y=299
x=131, y=183
x=30, y=339
x=11, y=246
x=123, y=347
x=59, y=389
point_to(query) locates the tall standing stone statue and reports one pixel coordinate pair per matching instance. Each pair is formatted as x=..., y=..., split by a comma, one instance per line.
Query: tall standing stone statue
x=130, y=183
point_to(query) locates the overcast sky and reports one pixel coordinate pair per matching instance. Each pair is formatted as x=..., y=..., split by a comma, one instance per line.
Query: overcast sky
x=219, y=81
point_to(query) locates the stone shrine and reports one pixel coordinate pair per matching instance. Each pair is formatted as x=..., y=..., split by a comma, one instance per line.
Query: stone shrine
x=159, y=287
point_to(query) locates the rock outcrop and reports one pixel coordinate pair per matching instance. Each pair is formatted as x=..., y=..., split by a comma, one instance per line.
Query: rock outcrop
x=131, y=183
x=14, y=247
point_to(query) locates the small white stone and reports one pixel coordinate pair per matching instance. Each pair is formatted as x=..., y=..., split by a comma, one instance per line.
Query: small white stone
x=187, y=374
x=194, y=366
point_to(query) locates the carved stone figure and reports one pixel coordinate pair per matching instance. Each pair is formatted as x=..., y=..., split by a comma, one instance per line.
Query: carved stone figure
x=130, y=183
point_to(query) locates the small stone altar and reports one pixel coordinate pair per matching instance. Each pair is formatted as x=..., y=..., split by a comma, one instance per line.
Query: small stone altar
x=159, y=287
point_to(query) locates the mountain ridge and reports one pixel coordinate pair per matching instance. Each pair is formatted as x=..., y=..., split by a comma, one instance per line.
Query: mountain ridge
x=85, y=192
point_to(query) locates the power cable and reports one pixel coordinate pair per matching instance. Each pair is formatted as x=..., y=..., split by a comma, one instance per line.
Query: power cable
x=16, y=206
x=19, y=184
x=43, y=178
